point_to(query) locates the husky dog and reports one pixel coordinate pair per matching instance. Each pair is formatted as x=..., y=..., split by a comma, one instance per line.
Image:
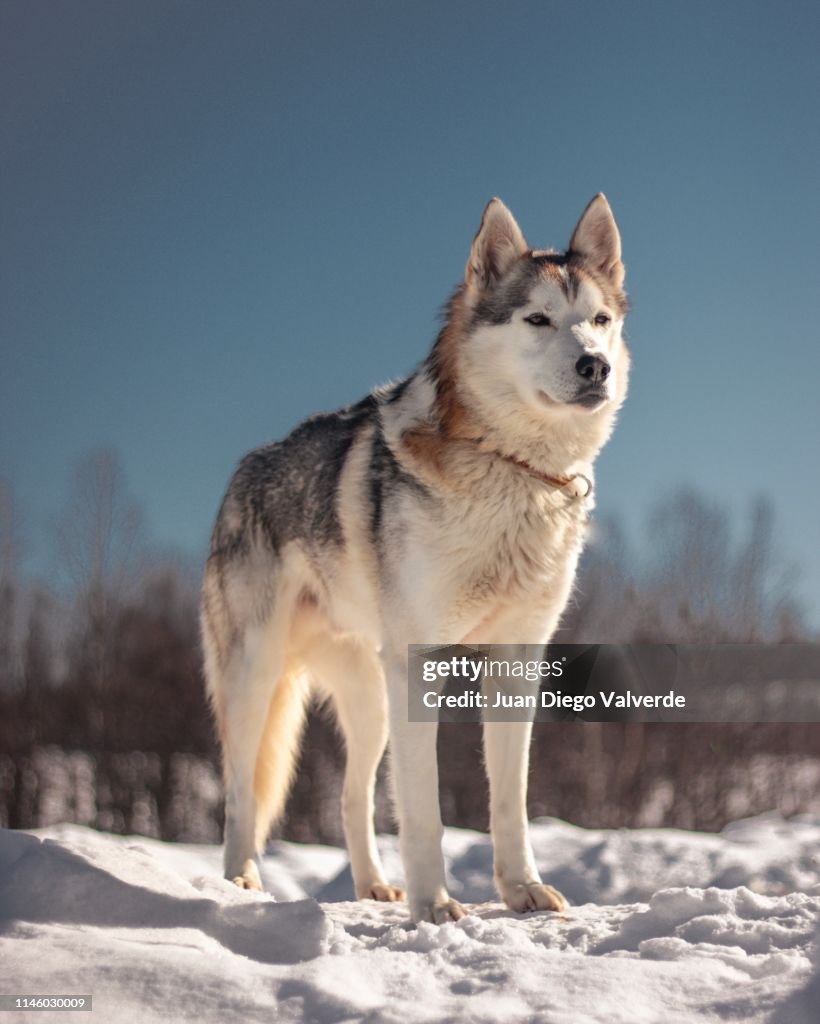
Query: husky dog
x=447, y=508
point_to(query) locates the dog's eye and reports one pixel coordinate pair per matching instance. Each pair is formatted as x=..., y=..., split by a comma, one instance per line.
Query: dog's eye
x=538, y=320
x=602, y=319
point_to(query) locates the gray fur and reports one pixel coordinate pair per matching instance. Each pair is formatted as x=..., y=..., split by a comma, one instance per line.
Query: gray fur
x=387, y=478
x=287, y=490
x=500, y=301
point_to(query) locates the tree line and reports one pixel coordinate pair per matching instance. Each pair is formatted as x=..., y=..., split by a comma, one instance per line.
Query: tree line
x=103, y=718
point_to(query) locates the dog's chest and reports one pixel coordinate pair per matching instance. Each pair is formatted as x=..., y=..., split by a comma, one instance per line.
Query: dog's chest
x=514, y=549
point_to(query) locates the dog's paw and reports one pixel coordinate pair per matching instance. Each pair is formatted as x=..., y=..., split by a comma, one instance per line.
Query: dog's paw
x=387, y=894
x=528, y=896
x=438, y=911
x=248, y=877
x=382, y=892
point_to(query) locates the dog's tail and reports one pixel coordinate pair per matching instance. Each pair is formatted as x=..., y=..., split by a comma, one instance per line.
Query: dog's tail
x=278, y=749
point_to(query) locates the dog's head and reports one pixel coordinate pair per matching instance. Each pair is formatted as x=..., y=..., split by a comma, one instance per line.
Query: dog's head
x=543, y=330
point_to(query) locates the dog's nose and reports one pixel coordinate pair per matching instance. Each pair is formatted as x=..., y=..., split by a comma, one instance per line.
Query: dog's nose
x=595, y=369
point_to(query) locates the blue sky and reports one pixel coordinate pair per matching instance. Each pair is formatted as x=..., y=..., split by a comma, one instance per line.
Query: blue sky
x=218, y=218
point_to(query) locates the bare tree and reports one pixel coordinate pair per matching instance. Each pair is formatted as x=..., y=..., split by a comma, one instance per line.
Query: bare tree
x=689, y=567
x=37, y=651
x=100, y=547
x=10, y=549
x=703, y=583
x=100, y=532
x=695, y=578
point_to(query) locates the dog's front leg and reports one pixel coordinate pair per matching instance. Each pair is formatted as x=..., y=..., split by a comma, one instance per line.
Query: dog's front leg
x=506, y=752
x=415, y=781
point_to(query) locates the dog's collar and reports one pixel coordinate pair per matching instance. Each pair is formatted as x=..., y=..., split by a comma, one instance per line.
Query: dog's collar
x=559, y=482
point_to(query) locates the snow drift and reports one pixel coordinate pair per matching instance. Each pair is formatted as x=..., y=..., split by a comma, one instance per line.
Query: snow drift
x=684, y=927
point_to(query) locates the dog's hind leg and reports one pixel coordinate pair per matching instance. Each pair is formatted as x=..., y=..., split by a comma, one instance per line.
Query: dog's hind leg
x=259, y=707
x=352, y=676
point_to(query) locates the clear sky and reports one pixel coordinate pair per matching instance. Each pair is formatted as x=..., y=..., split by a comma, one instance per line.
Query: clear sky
x=220, y=217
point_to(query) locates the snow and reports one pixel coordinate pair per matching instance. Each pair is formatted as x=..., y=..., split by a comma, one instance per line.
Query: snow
x=665, y=926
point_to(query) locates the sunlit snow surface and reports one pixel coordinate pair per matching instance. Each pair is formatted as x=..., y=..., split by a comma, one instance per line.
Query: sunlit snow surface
x=666, y=927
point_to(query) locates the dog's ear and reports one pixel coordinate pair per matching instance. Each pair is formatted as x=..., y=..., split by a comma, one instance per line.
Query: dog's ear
x=496, y=247
x=597, y=241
